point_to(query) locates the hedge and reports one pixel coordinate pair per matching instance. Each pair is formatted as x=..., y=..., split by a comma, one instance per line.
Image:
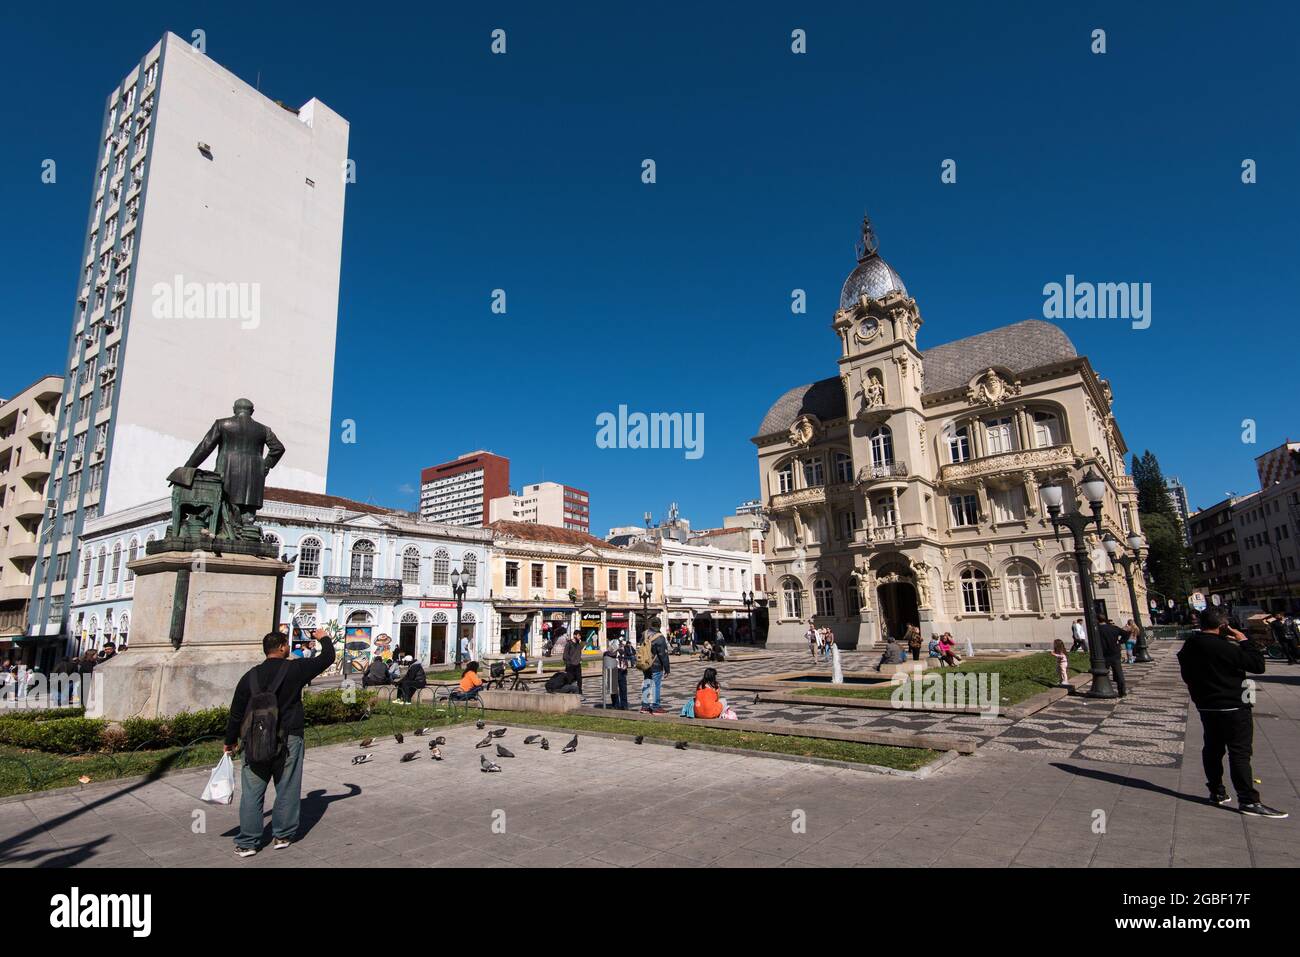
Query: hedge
x=66, y=731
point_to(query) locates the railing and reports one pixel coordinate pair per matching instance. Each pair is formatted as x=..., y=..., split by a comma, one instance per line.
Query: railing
x=889, y=470
x=1054, y=456
x=812, y=495
x=363, y=587
x=887, y=533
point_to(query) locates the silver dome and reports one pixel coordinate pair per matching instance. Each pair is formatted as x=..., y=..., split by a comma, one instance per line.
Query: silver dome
x=873, y=278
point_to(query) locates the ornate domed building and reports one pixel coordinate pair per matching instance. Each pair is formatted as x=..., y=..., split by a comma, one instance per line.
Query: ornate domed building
x=907, y=488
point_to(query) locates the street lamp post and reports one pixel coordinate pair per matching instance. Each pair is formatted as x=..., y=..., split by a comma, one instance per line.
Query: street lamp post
x=747, y=598
x=644, y=591
x=1141, y=653
x=459, y=585
x=1094, y=490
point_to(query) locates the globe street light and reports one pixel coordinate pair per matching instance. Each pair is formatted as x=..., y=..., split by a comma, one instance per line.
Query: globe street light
x=747, y=598
x=1115, y=550
x=459, y=585
x=1094, y=490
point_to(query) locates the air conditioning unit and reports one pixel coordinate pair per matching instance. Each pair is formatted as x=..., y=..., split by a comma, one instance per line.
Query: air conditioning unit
x=109, y=327
x=88, y=340
x=75, y=458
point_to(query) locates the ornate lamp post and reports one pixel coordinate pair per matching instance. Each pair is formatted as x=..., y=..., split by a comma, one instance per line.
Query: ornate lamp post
x=644, y=591
x=1094, y=490
x=459, y=585
x=747, y=598
x=1115, y=550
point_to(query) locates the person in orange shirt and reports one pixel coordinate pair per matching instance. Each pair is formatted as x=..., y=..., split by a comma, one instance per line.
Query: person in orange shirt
x=470, y=682
x=707, y=702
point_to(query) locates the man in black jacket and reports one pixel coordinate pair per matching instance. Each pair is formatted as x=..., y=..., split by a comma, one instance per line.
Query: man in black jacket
x=286, y=769
x=1112, y=639
x=652, y=683
x=1214, y=662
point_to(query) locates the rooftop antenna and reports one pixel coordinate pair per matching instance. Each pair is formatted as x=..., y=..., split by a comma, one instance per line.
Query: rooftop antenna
x=648, y=518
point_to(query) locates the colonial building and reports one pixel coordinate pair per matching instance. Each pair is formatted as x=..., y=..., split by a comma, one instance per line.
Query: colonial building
x=547, y=581
x=905, y=489
x=382, y=576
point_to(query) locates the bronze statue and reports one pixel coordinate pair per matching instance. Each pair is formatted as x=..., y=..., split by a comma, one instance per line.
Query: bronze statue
x=241, y=471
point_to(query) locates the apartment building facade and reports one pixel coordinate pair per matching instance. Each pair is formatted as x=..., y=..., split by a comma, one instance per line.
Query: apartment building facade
x=460, y=492
x=545, y=503
x=212, y=252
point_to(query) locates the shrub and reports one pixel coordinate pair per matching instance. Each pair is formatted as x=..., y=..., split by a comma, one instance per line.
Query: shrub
x=328, y=707
x=62, y=735
x=40, y=714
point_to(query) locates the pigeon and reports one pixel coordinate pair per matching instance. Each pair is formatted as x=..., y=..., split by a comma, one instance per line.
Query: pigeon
x=363, y=759
x=504, y=752
x=546, y=745
x=485, y=742
x=680, y=745
x=571, y=746
x=436, y=754
x=532, y=739
x=480, y=724
x=497, y=733
x=440, y=740
x=410, y=756
x=433, y=744
x=639, y=738
x=399, y=737
x=485, y=765
x=420, y=732
x=366, y=742
x=755, y=697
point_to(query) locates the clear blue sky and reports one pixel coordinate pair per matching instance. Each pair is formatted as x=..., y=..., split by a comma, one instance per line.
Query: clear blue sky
x=523, y=172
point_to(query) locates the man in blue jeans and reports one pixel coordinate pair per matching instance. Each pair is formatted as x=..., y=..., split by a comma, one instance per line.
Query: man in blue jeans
x=654, y=677
x=292, y=675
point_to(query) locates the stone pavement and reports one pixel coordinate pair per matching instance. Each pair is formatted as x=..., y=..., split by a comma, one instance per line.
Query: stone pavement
x=1085, y=798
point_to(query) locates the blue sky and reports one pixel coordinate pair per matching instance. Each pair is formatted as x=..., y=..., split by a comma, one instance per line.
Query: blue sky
x=522, y=172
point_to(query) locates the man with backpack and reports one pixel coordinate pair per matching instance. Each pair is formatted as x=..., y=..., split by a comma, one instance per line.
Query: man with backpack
x=266, y=721
x=652, y=660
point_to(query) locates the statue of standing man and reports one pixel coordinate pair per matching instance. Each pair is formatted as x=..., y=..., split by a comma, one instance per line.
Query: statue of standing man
x=239, y=441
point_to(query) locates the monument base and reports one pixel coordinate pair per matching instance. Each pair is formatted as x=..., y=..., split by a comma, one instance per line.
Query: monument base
x=197, y=622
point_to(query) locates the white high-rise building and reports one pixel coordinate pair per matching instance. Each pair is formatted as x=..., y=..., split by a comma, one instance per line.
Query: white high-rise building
x=210, y=271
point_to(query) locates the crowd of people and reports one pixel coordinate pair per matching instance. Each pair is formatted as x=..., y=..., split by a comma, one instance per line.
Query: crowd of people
x=65, y=681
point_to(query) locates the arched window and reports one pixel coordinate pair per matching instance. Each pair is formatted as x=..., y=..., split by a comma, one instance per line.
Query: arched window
x=824, y=596
x=270, y=538
x=85, y=570
x=411, y=566
x=99, y=566
x=853, y=597
x=792, y=599
x=1068, y=594
x=882, y=447
x=975, y=592
x=92, y=630
x=132, y=549
x=115, y=568
x=363, y=559
x=309, y=557
x=1047, y=430
x=1021, y=587
x=410, y=618
x=469, y=569
x=441, y=565
x=123, y=631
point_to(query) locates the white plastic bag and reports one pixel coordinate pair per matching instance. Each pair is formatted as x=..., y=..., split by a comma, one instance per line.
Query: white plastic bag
x=221, y=785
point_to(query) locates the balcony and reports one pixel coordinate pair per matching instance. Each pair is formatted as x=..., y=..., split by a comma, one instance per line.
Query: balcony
x=22, y=548
x=32, y=507
x=887, y=534
x=35, y=468
x=816, y=495
x=874, y=473
x=375, y=588
x=1051, y=457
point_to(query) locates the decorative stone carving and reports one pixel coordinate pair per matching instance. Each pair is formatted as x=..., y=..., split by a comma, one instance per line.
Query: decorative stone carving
x=1053, y=457
x=991, y=389
x=921, y=571
x=873, y=391
x=920, y=431
x=805, y=430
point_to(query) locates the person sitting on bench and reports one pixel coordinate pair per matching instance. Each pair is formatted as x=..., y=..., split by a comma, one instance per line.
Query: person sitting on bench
x=893, y=654
x=413, y=679
x=470, y=683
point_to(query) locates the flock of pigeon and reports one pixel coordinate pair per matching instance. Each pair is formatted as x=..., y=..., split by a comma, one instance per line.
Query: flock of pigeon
x=486, y=766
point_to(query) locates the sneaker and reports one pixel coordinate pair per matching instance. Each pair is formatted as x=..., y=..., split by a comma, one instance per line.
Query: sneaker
x=280, y=843
x=645, y=710
x=1263, y=810
x=657, y=710
x=245, y=851
x=1220, y=797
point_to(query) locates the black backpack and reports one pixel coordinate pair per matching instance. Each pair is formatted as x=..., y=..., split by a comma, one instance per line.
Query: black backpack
x=260, y=731
x=556, y=682
x=498, y=670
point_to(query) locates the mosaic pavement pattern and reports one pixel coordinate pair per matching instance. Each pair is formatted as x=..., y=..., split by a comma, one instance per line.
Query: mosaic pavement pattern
x=1145, y=728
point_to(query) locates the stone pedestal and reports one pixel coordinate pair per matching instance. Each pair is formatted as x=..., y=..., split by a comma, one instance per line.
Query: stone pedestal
x=219, y=607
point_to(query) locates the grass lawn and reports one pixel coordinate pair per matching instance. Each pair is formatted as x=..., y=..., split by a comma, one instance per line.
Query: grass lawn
x=904, y=759
x=22, y=771
x=1019, y=678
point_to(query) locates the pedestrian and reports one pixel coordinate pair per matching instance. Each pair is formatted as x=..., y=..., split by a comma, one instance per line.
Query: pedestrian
x=1278, y=626
x=573, y=660
x=914, y=642
x=1062, y=663
x=1080, y=635
x=652, y=659
x=464, y=648
x=609, y=674
x=810, y=636
x=1214, y=662
x=1130, y=641
x=626, y=655
x=283, y=679
x=1112, y=639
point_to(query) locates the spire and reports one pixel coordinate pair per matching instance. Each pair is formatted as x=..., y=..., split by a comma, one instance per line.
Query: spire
x=867, y=243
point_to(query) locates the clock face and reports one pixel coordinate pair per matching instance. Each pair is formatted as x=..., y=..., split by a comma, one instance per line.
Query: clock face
x=867, y=329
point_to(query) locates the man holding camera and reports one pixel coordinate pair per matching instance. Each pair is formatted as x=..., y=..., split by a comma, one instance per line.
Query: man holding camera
x=1214, y=662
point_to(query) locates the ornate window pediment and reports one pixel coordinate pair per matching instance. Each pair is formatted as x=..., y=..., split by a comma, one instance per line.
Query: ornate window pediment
x=991, y=388
x=805, y=430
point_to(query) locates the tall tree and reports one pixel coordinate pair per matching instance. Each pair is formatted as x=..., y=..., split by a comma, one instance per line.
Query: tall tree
x=1168, y=558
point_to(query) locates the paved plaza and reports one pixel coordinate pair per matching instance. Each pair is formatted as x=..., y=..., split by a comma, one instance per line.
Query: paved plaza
x=1081, y=783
